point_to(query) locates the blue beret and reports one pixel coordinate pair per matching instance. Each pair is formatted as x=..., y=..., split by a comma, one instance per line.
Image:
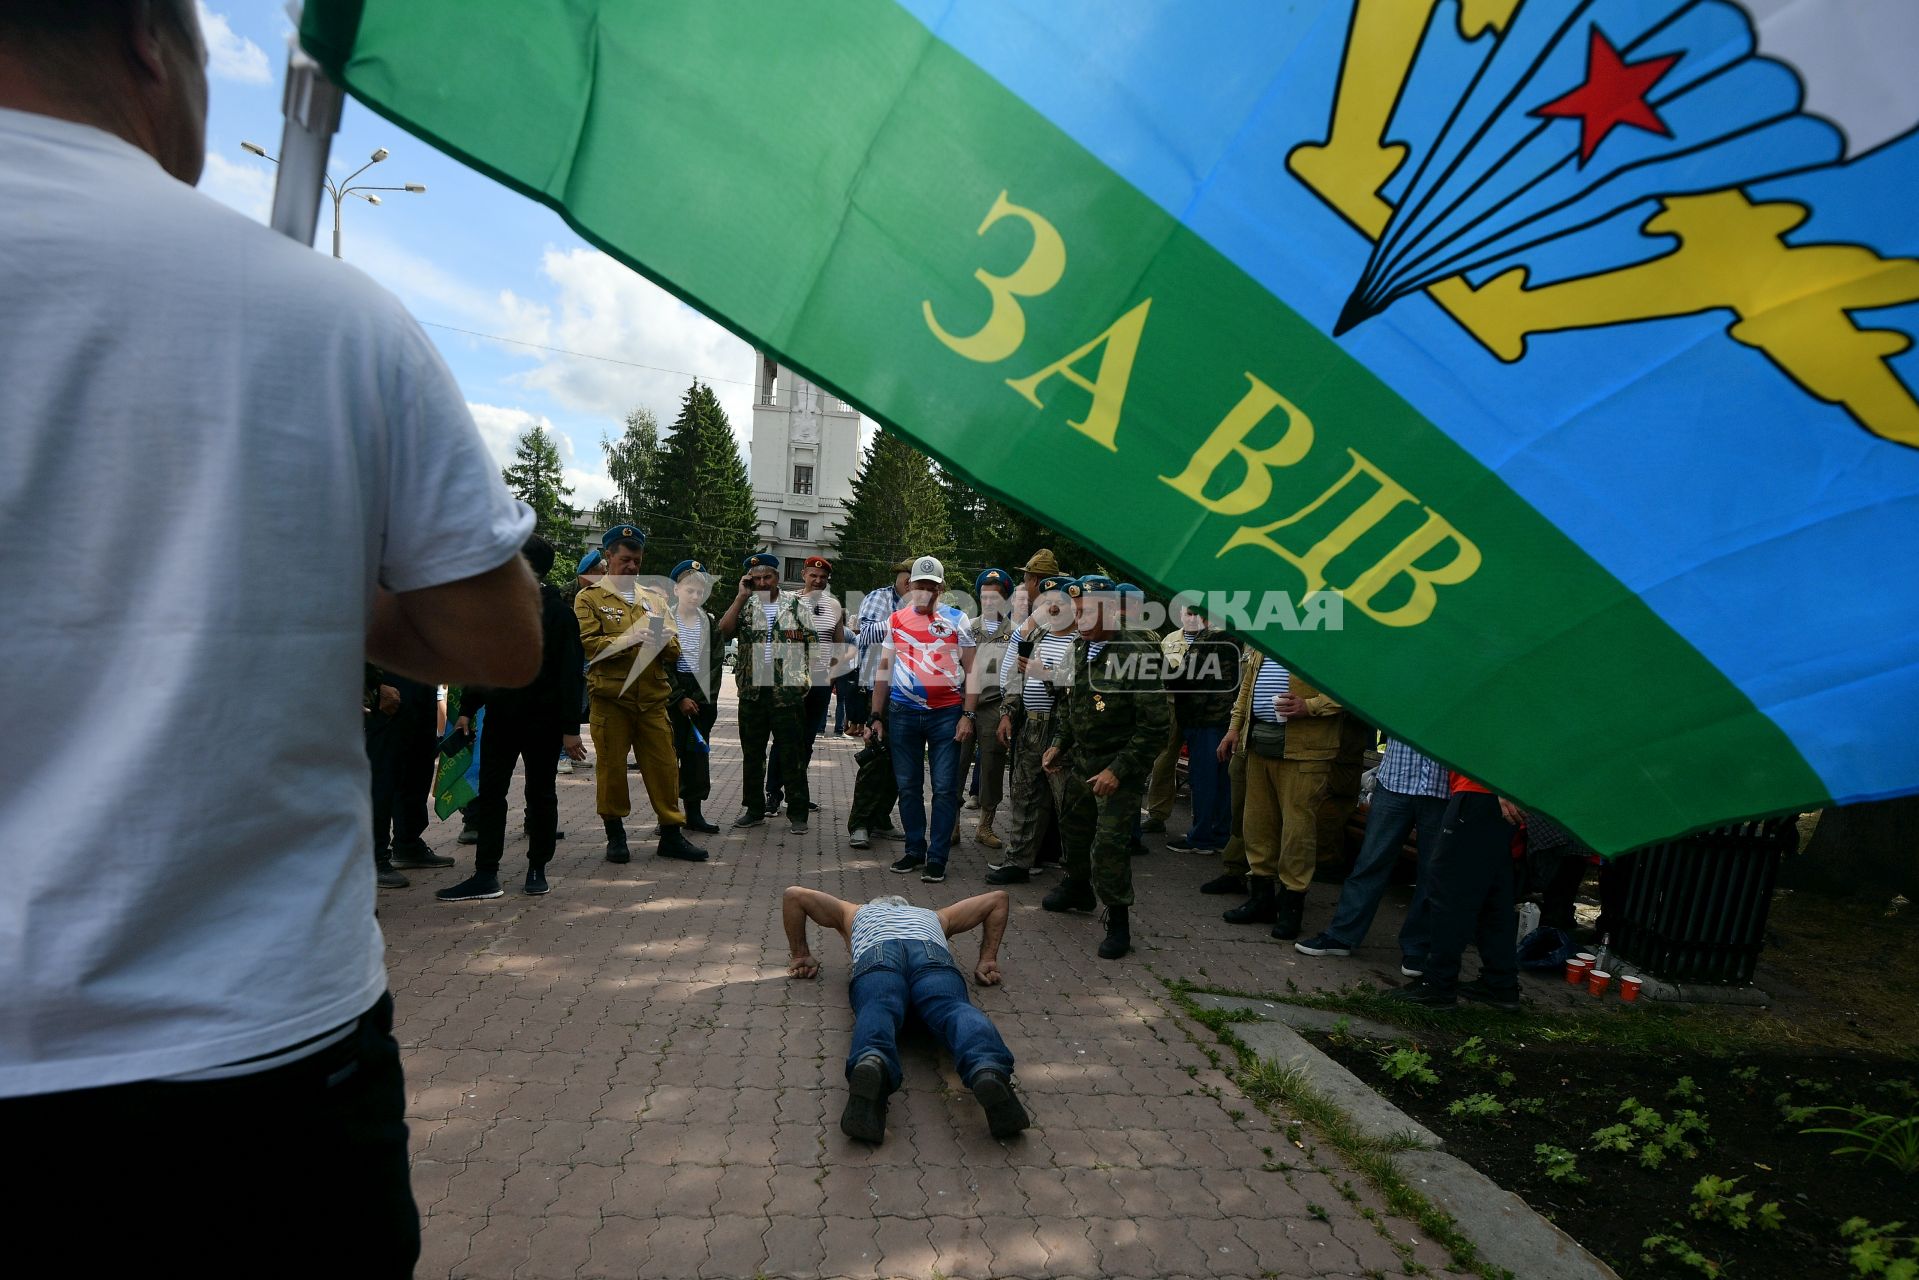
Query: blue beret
x=1130, y=589
x=1058, y=582
x=623, y=533
x=993, y=578
x=588, y=562
x=760, y=560
x=1091, y=583
x=685, y=567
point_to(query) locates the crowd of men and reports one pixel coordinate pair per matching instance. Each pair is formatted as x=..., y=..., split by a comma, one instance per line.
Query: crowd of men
x=1049, y=699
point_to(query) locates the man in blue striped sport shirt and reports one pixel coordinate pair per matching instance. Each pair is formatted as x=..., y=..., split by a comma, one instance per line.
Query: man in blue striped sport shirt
x=1409, y=791
x=903, y=962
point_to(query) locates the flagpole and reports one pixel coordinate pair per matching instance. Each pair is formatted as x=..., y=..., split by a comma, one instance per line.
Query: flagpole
x=312, y=108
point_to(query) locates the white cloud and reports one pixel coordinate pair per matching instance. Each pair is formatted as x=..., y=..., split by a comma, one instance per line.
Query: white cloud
x=501, y=427
x=230, y=55
x=601, y=308
x=246, y=187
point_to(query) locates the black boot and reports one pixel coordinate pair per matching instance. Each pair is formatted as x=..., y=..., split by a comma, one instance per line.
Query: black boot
x=1292, y=909
x=1070, y=895
x=1259, y=908
x=1232, y=882
x=1119, y=934
x=674, y=844
x=697, y=821
x=616, y=850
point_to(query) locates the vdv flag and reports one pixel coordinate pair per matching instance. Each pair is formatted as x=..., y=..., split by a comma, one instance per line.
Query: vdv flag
x=1568, y=341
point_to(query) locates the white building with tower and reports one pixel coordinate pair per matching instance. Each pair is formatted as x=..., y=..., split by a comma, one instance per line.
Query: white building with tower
x=805, y=452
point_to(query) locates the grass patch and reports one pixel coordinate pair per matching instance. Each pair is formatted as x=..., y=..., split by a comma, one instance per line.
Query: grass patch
x=1283, y=1093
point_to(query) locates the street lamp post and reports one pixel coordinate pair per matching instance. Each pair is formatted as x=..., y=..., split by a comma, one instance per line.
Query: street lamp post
x=341, y=190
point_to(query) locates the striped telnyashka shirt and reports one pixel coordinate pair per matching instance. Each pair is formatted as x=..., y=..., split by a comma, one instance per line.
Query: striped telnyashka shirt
x=1272, y=681
x=878, y=922
x=691, y=631
x=1045, y=671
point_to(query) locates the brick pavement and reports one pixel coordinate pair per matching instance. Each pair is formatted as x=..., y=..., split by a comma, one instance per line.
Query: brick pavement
x=619, y=1080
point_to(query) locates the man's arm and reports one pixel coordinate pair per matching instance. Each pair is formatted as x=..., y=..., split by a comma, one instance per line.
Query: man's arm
x=797, y=906
x=480, y=630
x=988, y=912
x=730, y=620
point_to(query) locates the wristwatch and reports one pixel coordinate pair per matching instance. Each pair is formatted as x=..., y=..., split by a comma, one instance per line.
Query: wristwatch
x=969, y=715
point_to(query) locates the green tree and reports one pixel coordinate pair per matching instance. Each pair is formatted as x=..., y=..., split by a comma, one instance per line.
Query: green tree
x=537, y=479
x=701, y=504
x=899, y=508
x=632, y=463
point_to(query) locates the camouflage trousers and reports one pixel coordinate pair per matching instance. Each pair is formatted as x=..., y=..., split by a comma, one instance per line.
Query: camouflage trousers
x=1034, y=796
x=1096, y=836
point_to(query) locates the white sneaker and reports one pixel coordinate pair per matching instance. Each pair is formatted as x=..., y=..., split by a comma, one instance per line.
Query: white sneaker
x=566, y=765
x=858, y=839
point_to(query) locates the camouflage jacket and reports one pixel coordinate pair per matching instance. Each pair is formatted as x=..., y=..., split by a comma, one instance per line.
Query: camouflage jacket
x=1115, y=715
x=793, y=642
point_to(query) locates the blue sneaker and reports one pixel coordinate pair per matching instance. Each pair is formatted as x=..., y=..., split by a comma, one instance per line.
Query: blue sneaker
x=1322, y=944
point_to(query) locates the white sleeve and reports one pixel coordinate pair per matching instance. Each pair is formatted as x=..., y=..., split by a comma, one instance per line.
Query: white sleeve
x=448, y=514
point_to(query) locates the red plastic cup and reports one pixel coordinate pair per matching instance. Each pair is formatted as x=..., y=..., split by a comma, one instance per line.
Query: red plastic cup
x=1629, y=988
x=1597, y=981
x=1588, y=957
x=1576, y=971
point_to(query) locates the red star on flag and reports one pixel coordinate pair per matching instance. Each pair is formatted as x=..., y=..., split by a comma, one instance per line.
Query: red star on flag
x=1614, y=94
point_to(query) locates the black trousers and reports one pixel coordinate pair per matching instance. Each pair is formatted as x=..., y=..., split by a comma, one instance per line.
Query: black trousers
x=297, y=1171
x=507, y=741
x=696, y=762
x=401, y=751
x=1472, y=894
x=819, y=699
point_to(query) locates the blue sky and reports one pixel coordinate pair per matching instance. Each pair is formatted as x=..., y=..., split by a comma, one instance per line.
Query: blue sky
x=472, y=255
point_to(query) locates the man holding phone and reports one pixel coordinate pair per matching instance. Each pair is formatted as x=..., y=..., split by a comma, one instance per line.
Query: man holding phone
x=633, y=653
x=773, y=673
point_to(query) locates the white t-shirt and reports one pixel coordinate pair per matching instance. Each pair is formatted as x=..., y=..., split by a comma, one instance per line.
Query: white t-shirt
x=214, y=442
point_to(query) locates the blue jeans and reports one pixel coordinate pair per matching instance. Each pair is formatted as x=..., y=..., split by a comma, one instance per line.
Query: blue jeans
x=916, y=734
x=1212, y=789
x=1391, y=817
x=892, y=979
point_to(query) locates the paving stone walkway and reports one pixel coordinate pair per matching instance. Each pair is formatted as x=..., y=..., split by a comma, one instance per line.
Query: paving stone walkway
x=620, y=1080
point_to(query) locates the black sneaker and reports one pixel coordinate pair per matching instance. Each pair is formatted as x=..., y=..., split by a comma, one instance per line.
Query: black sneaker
x=387, y=878
x=908, y=862
x=674, y=844
x=1005, y=1117
x=812, y=807
x=749, y=818
x=415, y=857
x=1504, y=998
x=1424, y=996
x=1007, y=873
x=535, y=882
x=797, y=825
x=1413, y=966
x=469, y=835
x=865, y=1114
x=1322, y=944
x=472, y=889
x=935, y=873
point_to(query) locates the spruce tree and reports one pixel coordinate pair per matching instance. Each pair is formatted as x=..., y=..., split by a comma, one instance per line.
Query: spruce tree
x=898, y=510
x=701, y=504
x=632, y=463
x=537, y=479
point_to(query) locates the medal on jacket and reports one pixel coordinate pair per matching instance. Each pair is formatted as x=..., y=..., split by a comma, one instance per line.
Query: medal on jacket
x=1099, y=703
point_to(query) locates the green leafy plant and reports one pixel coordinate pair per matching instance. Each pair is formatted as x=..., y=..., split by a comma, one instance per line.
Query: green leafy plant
x=1405, y=1064
x=1614, y=1137
x=1558, y=1164
x=1793, y=1114
x=1342, y=1026
x=1745, y=1075
x=1876, y=1136
x=1505, y=1079
x=1879, y=1251
x=1714, y=1199
x=1479, y=1106
x=1651, y=1134
x=1684, y=1090
x=1677, y=1249
x=1528, y=1106
x=1471, y=1052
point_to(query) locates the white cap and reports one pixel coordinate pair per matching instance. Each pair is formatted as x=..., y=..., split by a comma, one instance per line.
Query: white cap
x=928, y=569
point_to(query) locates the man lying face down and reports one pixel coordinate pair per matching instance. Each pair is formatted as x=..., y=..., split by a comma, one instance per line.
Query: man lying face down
x=901, y=963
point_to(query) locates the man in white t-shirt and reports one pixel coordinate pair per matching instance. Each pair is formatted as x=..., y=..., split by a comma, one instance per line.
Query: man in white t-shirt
x=280, y=481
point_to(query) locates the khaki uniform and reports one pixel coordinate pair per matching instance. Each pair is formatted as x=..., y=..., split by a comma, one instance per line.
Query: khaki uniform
x=631, y=714
x=1284, y=796
x=1112, y=718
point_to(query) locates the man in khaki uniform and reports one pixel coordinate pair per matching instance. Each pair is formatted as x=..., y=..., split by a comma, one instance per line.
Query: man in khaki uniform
x=633, y=652
x=1291, y=733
